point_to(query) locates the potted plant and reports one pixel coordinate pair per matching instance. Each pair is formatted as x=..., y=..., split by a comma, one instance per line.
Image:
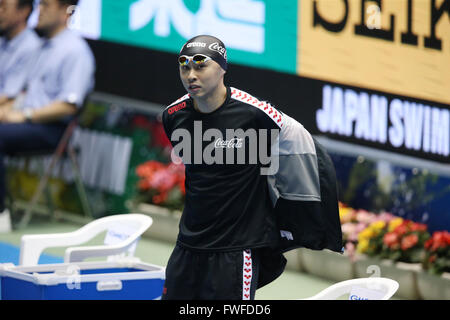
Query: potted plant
x=435, y=282
x=162, y=184
x=395, y=249
x=162, y=193
x=405, y=243
x=437, y=253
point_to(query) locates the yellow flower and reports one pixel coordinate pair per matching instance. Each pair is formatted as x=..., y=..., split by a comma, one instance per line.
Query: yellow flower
x=394, y=223
x=346, y=214
x=366, y=234
x=344, y=211
x=362, y=246
x=377, y=226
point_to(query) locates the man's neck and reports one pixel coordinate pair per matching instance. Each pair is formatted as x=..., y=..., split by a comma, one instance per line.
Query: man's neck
x=15, y=31
x=55, y=32
x=211, y=102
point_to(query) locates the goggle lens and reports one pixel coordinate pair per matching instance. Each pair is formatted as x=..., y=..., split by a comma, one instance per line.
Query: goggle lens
x=197, y=59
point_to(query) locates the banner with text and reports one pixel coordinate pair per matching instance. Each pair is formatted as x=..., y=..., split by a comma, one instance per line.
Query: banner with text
x=256, y=32
x=400, y=47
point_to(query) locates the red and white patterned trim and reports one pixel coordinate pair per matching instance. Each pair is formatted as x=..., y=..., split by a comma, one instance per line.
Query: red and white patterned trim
x=185, y=97
x=247, y=274
x=262, y=105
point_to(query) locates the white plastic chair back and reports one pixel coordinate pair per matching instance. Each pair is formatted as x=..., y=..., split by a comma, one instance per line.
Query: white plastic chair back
x=123, y=232
x=373, y=288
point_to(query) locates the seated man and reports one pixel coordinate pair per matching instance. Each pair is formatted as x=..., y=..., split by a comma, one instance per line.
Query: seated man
x=62, y=75
x=17, y=46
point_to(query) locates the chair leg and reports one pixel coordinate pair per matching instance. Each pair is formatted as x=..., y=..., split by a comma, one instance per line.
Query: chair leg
x=43, y=182
x=79, y=183
x=48, y=196
x=47, y=190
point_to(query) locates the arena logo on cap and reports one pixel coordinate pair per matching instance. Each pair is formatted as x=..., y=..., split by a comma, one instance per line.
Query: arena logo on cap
x=218, y=48
x=196, y=44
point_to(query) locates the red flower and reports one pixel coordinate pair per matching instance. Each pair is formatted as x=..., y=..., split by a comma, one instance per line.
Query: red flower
x=428, y=243
x=147, y=169
x=159, y=198
x=439, y=239
x=418, y=227
x=143, y=185
x=403, y=228
x=161, y=178
x=391, y=240
x=409, y=241
x=432, y=258
x=159, y=137
x=141, y=122
x=182, y=187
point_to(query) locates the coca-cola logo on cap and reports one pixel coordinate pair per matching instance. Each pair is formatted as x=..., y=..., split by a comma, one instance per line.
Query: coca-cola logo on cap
x=218, y=48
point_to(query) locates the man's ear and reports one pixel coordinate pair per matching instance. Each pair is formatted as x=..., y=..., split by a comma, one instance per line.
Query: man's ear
x=71, y=10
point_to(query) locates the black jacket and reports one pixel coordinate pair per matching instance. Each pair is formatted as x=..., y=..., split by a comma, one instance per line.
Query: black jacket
x=305, y=199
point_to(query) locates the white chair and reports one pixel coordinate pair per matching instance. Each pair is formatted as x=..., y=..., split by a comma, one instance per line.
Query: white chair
x=372, y=288
x=123, y=232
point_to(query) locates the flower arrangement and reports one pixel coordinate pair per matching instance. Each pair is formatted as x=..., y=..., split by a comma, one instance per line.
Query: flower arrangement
x=382, y=235
x=404, y=241
x=162, y=184
x=370, y=239
x=359, y=227
x=437, y=253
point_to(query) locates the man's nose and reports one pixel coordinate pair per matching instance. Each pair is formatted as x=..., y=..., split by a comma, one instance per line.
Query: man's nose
x=192, y=76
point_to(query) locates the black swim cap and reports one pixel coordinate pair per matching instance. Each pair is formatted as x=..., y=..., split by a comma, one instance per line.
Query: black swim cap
x=207, y=45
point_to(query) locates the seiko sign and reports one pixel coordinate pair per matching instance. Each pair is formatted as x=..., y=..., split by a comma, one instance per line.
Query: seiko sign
x=397, y=47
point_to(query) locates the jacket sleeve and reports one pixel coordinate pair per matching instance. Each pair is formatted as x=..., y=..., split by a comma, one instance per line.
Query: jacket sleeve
x=297, y=177
x=306, y=208
x=166, y=124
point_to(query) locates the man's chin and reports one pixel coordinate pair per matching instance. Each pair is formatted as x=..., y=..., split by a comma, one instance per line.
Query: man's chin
x=198, y=93
x=3, y=32
x=42, y=31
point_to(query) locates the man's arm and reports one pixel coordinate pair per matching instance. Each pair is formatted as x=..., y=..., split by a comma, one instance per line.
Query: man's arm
x=3, y=100
x=6, y=103
x=54, y=111
x=5, y=108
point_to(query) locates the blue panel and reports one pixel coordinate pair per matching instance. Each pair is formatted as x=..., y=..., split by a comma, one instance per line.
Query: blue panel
x=10, y=254
x=142, y=289
x=14, y=289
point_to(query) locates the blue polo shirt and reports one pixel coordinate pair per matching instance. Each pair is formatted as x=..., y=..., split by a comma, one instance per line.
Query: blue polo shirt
x=15, y=58
x=63, y=71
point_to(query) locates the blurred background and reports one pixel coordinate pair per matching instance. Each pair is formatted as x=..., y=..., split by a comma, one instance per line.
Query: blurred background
x=369, y=79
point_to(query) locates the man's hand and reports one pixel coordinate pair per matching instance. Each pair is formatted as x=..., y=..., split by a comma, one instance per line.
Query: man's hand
x=12, y=116
x=6, y=108
x=2, y=114
x=52, y=112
